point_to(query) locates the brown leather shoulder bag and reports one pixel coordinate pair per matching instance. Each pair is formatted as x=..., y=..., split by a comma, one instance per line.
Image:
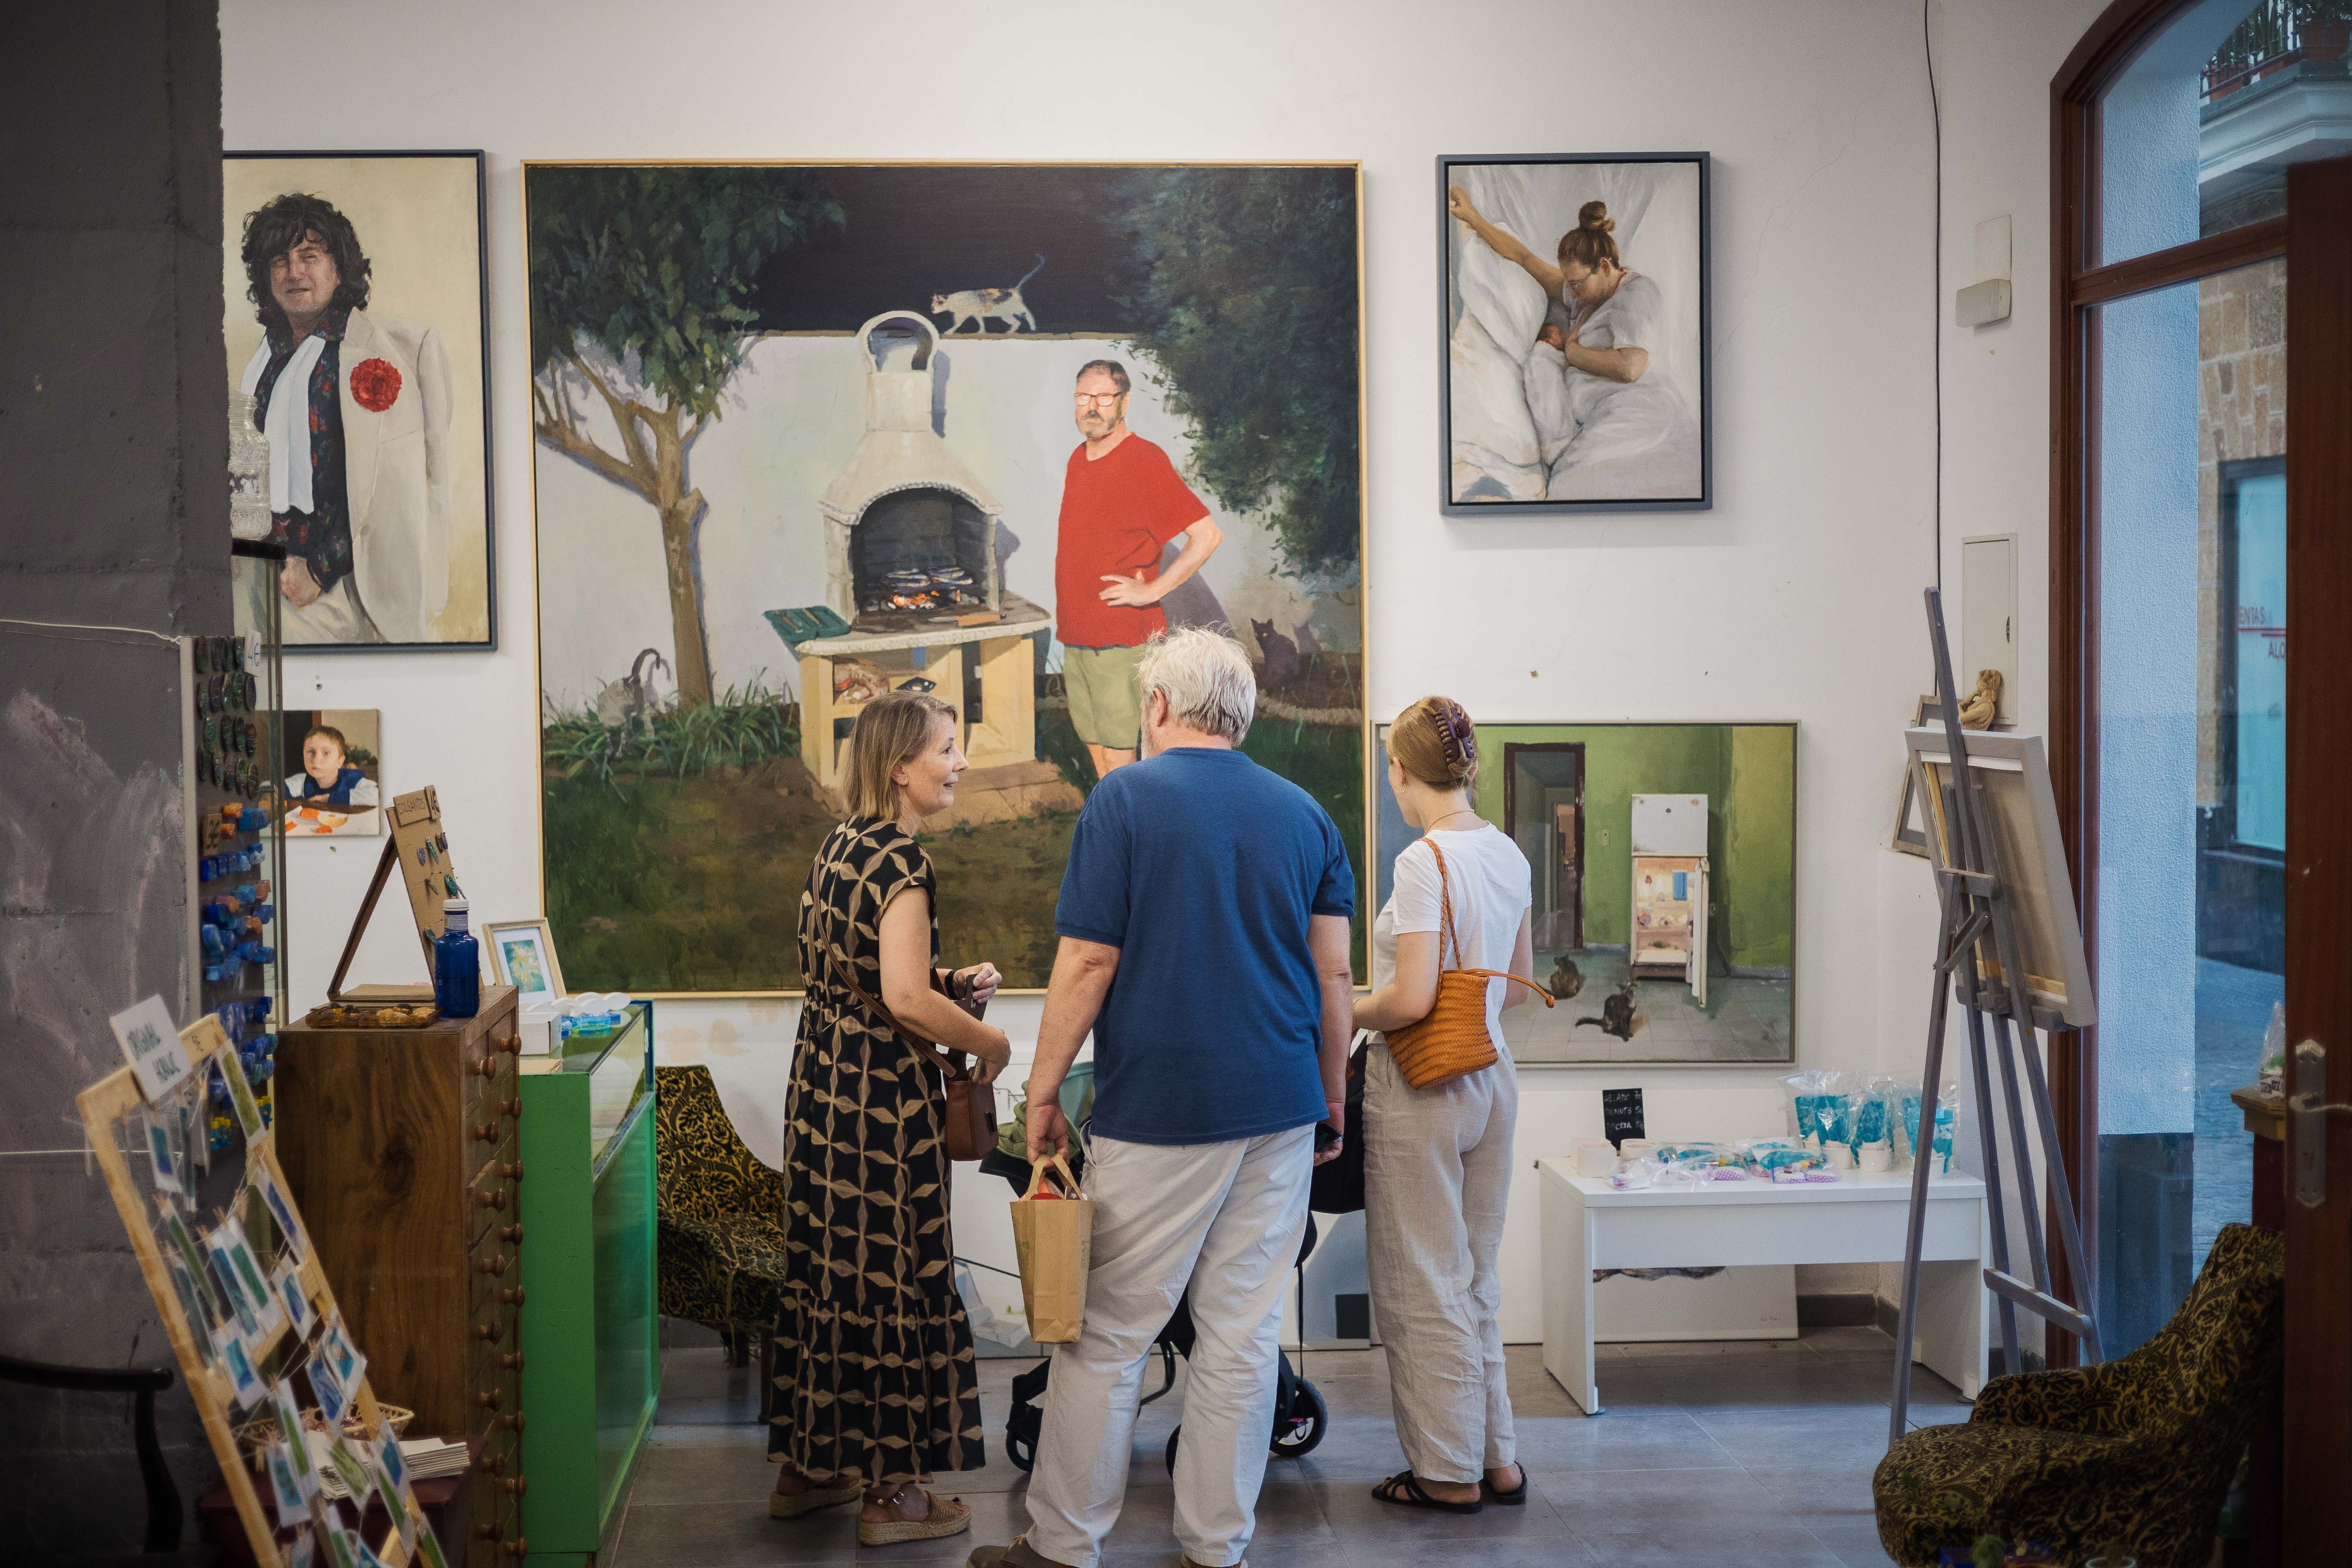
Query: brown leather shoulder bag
x=970, y=1119
x=1452, y=1039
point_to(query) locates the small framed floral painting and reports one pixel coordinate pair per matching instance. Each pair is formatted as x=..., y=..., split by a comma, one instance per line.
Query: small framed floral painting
x=522, y=954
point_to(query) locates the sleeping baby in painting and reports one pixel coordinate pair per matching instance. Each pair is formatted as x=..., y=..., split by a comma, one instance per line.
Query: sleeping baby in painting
x=1608, y=422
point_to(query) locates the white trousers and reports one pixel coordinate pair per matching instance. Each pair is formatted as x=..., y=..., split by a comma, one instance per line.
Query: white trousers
x=1227, y=1219
x=1437, y=1181
x=334, y=616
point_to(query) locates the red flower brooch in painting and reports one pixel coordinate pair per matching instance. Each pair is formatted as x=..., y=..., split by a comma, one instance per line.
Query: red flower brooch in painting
x=375, y=384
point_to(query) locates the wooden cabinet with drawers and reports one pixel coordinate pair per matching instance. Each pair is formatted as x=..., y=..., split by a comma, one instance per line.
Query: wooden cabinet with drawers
x=404, y=1151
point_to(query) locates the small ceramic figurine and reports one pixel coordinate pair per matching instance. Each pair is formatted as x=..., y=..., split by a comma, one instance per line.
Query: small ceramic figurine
x=1982, y=704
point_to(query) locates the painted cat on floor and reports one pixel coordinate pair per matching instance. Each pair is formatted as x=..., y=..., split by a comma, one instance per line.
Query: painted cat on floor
x=981, y=306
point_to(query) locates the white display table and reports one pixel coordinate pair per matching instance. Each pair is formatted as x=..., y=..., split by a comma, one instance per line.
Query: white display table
x=1858, y=1218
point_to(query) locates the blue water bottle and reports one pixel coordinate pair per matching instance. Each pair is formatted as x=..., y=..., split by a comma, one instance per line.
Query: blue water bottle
x=457, y=965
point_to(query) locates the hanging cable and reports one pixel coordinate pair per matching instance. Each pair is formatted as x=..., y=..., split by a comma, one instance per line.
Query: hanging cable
x=1935, y=305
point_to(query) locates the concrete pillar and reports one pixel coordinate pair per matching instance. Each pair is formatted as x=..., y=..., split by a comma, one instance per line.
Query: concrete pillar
x=113, y=513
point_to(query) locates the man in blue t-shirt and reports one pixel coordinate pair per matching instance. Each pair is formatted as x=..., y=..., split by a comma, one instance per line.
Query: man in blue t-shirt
x=1204, y=941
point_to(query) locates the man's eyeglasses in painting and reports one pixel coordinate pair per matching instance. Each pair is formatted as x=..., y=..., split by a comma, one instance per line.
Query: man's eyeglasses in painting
x=1098, y=399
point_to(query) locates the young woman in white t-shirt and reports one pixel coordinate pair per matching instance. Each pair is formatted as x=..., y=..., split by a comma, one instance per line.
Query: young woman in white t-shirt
x=1437, y=1162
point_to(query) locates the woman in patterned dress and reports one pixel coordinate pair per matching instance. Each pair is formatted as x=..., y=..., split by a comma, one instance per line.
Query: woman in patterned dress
x=876, y=1389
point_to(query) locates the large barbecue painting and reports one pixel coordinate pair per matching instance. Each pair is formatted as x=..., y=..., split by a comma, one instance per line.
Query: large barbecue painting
x=807, y=434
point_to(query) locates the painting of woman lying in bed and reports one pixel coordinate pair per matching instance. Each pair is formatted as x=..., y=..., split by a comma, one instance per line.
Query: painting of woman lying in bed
x=1575, y=350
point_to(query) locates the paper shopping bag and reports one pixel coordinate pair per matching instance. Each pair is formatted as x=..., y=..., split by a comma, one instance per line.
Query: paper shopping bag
x=1054, y=1232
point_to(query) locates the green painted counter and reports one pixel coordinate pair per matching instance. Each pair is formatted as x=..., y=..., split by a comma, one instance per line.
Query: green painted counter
x=591, y=1366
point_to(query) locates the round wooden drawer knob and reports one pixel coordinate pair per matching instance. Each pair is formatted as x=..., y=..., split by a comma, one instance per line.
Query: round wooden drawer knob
x=486, y=1533
x=516, y=1485
x=491, y=1200
x=518, y=1547
x=495, y=1464
x=512, y=1233
x=513, y=1172
x=486, y=1067
x=511, y=1044
x=511, y=1423
x=489, y=1398
x=485, y=1331
x=511, y=1295
x=510, y=1362
x=487, y=1132
x=512, y=1110
x=497, y=1265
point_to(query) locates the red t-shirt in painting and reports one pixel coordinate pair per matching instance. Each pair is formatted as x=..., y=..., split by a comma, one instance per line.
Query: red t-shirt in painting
x=1118, y=513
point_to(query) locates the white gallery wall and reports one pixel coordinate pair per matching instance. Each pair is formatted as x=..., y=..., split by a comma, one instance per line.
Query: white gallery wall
x=1795, y=598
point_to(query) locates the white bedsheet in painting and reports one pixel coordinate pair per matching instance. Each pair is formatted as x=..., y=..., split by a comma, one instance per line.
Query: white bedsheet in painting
x=1525, y=426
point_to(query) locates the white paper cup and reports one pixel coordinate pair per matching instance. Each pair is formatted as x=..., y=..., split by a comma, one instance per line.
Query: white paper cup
x=1877, y=1157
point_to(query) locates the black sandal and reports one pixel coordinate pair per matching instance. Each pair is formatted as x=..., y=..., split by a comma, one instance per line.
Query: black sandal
x=1515, y=1497
x=1404, y=1489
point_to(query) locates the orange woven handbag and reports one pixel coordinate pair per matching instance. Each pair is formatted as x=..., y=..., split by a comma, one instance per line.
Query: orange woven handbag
x=1451, y=1040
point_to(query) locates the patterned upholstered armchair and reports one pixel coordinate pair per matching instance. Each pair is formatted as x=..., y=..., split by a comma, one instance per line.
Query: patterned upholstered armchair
x=719, y=1210
x=2139, y=1449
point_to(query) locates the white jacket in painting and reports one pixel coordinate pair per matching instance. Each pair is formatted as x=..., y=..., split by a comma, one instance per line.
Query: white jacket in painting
x=396, y=477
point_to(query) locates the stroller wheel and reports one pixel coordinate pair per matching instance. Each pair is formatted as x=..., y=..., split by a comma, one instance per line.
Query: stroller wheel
x=1172, y=1448
x=1022, y=1429
x=1303, y=1425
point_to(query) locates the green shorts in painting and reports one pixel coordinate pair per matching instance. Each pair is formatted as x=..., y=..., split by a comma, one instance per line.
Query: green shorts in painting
x=1105, y=707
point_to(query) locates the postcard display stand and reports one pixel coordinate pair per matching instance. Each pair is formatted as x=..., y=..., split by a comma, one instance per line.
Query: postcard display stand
x=2008, y=952
x=218, y=1359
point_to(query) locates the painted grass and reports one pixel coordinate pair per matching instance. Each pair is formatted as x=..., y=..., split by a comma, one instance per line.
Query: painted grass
x=746, y=725
x=692, y=881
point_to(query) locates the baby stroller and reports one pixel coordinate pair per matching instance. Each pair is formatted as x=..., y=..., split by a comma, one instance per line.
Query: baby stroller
x=1300, y=1415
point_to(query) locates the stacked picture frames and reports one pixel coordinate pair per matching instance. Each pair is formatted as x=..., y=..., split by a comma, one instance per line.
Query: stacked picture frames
x=258, y=1335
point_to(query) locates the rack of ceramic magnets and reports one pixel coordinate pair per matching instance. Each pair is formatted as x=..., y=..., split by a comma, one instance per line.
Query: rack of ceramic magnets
x=318, y=1483
x=235, y=752
x=230, y=755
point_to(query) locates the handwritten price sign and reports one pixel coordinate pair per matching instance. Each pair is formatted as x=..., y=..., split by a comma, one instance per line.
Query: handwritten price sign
x=151, y=1043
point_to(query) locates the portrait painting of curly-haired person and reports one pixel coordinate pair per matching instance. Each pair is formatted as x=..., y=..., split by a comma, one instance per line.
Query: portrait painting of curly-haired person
x=354, y=323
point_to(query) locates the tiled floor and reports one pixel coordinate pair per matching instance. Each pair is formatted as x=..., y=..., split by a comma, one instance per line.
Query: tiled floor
x=1758, y=1453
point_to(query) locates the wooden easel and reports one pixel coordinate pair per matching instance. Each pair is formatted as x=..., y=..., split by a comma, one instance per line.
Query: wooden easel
x=1980, y=965
x=415, y=844
x=103, y=1106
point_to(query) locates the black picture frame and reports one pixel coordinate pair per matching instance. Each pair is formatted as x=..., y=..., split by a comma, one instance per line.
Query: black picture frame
x=232, y=220
x=1449, y=504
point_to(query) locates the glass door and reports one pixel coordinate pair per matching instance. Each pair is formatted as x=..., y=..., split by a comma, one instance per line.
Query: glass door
x=2189, y=867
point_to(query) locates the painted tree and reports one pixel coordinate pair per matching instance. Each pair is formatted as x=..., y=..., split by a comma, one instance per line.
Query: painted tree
x=639, y=284
x=1248, y=303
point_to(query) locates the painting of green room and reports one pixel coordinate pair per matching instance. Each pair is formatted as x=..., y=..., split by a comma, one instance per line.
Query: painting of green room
x=1715, y=944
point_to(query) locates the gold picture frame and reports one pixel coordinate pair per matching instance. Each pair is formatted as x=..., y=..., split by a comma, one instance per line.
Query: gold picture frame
x=541, y=949
x=1910, y=829
x=641, y=689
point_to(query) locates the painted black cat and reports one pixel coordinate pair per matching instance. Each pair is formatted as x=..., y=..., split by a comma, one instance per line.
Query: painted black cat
x=1278, y=655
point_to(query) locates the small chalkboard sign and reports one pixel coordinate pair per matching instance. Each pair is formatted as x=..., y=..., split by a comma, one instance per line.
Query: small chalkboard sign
x=1621, y=1114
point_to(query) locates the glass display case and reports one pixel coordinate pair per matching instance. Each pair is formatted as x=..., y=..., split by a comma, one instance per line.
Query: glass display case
x=236, y=685
x=592, y=1368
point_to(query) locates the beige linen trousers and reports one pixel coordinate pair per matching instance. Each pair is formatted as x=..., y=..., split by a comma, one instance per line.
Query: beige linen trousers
x=1438, y=1179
